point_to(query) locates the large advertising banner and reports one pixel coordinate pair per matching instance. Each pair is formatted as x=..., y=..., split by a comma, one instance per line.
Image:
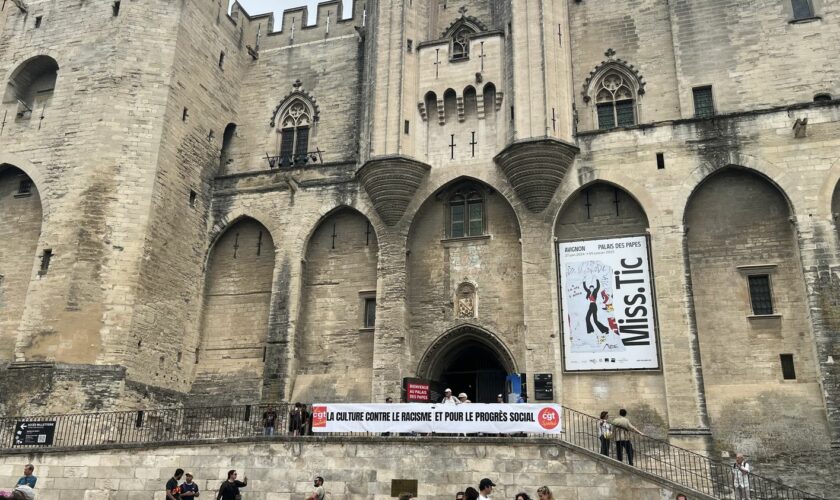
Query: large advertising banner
x=609, y=319
x=437, y=418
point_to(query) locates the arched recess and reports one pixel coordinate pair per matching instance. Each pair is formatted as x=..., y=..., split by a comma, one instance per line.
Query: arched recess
x=468, y=359
x=228, y=147
x=752, y=313
x=465, y=233
x=20, y=228
x=31, y=85
x=602, y=211
x=237, y=298
x=334, y=342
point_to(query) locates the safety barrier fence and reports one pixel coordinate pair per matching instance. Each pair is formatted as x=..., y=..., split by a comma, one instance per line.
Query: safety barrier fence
x=193, y=425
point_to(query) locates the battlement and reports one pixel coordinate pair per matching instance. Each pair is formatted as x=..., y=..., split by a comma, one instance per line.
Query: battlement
x=294, y=27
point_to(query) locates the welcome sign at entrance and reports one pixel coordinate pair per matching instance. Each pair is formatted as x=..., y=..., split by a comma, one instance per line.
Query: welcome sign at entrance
x=608, y=315
x=437, y=418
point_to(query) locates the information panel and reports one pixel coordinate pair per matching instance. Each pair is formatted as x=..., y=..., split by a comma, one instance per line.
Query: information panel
x=609, y=319
x=38, y=433
x=437, y=418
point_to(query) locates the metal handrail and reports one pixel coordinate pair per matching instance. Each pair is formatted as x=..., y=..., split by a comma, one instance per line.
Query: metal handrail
x=209, y=423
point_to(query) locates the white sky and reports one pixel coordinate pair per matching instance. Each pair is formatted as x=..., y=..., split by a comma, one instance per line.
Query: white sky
x=278, y=6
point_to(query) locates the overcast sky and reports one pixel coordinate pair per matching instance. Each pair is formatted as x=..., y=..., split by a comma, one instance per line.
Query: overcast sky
x=278, y=6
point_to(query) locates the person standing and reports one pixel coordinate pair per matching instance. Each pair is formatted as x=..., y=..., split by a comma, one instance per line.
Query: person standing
x=462, y=398
x=269, y=420
x=485, y=488
x=449, y=399
x=470, y=493
x=741, y=477
x=318, y=493
x=188, y=488
x=27, y=478
x=500, y=399
x=604, y=433
x=459, y=495
x=296, y=421
x=623, y=427
x=522, y=496
x=229, y=490
x=173, y=491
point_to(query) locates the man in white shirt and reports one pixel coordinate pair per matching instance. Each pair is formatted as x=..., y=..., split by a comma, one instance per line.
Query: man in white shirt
x=449, y=399
x=741, y=474
x=485, y=488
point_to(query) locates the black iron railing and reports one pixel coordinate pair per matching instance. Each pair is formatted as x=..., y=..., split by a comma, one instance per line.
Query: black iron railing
x=294, y=160
x=691, y=470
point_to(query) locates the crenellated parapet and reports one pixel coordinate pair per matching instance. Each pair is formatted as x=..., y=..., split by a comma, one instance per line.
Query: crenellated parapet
x=329, y=23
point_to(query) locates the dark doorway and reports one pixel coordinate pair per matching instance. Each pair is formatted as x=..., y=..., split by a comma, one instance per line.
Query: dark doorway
x=475, y=370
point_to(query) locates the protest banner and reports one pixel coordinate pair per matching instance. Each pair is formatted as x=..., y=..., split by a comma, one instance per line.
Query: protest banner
x=437, y=418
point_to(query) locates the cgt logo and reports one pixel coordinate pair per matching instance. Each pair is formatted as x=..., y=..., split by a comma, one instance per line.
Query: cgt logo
x=548, y=418
x=319, y=416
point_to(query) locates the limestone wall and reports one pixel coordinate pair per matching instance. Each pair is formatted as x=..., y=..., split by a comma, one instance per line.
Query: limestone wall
x=352, y=469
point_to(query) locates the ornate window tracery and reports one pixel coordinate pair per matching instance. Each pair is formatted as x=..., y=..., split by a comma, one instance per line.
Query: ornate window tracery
x=615, y=101
x=295, y=122
x=461, y=43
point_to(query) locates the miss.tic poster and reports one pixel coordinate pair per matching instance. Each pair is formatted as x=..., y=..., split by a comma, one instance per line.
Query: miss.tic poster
x=608, y=313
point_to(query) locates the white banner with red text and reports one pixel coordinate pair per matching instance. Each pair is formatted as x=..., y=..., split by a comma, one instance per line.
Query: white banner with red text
x=465, y=418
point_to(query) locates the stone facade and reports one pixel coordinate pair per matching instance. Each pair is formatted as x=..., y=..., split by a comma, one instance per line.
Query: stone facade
x=219, y=199
x=284, y=470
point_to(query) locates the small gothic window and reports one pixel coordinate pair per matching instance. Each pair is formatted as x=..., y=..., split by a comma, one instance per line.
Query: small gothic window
x=294, y=132
x=466, y=214
x=461, y=43
x=615, y=102
x=802, y=9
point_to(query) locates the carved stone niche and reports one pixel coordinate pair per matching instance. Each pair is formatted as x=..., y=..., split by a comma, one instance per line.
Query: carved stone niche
x=391, y=183
x=466, y=301
x=535, y=168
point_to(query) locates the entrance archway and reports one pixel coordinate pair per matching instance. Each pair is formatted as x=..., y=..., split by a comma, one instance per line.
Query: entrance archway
x=468, y=359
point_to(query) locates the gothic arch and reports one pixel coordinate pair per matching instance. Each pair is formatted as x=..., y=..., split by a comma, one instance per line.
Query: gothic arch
x=464, y=21
x=338, y=282
x=20, y=230
x=600, y=209
x=31, y=84
x=223, y=225
x=436, y=355
x=238, y=284
x=297, y=95
x=619, y=66
x=750, y=301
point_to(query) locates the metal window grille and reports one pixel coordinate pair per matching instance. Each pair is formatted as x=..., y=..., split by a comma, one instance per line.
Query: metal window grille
x=704, y=105
x=625, y=114
x=760, y=297
x=788, y=370
x=370, y=312
x=302, y=141
x=802, y=9
x=287, y=145
x=606, y=117
x=25, y=186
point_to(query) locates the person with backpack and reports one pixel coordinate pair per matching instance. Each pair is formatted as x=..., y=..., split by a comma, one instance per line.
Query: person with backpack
x=229, y=490
x=741, y=477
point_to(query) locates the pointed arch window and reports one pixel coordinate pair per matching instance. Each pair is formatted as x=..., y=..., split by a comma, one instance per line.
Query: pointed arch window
x=466, y=213
x=615, y=101
x=295, y=123
x=461, y=43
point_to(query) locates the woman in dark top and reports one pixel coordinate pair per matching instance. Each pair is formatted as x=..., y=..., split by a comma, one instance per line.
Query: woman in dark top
x=229, y=490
